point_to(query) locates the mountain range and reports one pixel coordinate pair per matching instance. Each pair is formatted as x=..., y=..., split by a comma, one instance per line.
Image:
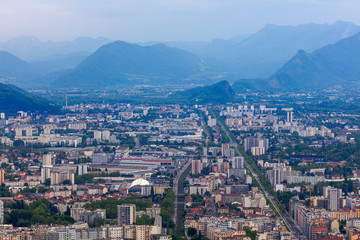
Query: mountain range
x=86, y=62
x=265, y=51
x=276, y=57
x=261, y=54
x=334, y=64
x=122, y=63
x=257, y=55
x=32, y=49
x=37, y=59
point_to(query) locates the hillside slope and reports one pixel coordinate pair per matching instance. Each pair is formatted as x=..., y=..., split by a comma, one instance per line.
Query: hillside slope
x=121, y=63
x=265, y=51
x=13, y=99
x=333, y=64
x=14, y=70
x=218, y=93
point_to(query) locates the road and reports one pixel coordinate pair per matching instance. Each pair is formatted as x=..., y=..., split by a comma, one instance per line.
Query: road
x=289, y=222
x=178, y=186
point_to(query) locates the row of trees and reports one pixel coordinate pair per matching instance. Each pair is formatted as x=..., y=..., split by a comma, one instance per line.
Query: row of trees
x=168, y=210
x=37, y=212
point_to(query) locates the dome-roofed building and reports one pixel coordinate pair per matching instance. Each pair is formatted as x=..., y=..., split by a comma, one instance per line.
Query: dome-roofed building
x=140, y=186
x=139, y=182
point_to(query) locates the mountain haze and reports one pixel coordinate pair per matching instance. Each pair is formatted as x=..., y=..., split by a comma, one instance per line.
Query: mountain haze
x=14, y=70
x=121, y=63
x=331, y=65
x=257, y=84
x=265, y=51
x=190, y=46
x=88, y=63
x=31, y=48
x=57, y=63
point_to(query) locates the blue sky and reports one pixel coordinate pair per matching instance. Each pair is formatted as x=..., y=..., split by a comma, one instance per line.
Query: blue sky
x=163, y=20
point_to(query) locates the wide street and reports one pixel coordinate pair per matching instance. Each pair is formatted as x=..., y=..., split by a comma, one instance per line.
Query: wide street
x=178, y=186
x=288, y=221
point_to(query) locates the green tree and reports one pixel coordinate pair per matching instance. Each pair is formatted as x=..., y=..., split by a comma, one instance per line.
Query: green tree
x=342, y=223
x=191, y=232
x=168, y=208
x=145, y=220
x=67, y=182
x=37, y=212
x=249, y=233
x=19, y=143
x=47, y=182
x=68, y=211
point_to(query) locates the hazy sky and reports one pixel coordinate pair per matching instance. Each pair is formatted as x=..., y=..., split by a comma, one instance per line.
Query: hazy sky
x=162, y=20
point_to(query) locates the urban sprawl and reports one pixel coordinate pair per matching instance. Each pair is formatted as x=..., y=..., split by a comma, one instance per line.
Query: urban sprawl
x=218, y=172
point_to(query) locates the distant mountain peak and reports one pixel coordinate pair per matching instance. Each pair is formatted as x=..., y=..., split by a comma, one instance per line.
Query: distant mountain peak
x=271, y=25
x=264, y=52
x=333, y=64
x=30, y=47
x=117, y=43
x=302, y=53
x=26, y=39
x=123, y=63
x=344, y=23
